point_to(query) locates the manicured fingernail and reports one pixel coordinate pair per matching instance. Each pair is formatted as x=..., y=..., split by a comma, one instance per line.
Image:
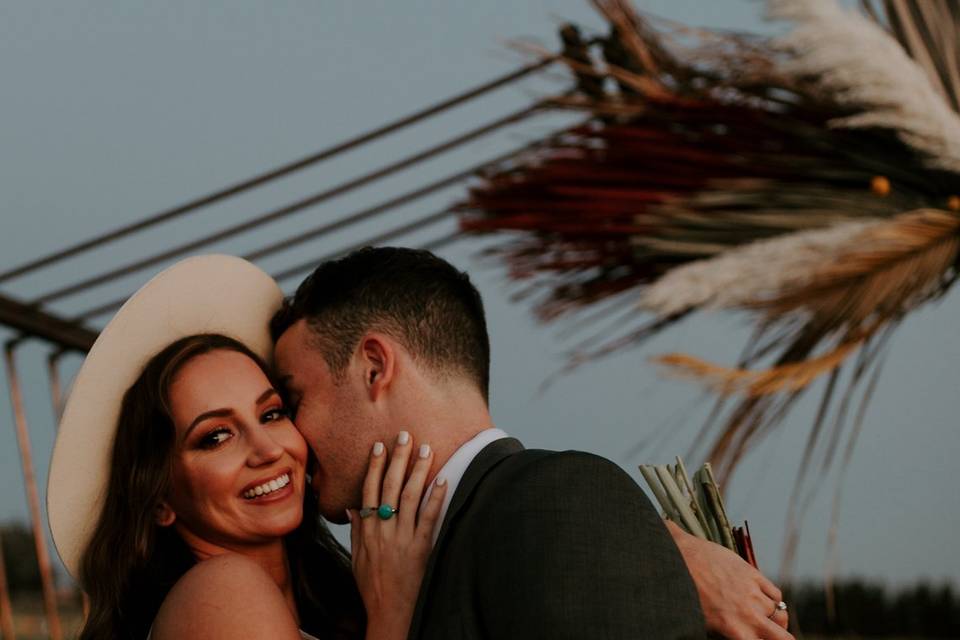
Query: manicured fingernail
x=378, y=448
x=424, y=451
x=349, y=516
x=403, y=438
x=441, y=481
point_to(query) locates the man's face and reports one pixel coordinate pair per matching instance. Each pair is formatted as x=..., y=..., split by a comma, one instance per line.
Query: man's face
x=333, y=415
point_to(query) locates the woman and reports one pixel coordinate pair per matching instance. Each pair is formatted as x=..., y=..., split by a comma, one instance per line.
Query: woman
x=204, y=524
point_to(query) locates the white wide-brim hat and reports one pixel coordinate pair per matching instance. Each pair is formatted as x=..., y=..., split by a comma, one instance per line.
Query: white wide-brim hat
x=205, y=294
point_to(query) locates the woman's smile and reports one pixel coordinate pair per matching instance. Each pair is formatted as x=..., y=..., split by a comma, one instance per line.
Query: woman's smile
x=277, y=487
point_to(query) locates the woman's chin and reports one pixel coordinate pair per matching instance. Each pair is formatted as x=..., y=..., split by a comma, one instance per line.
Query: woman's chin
x=279, y=526
x=277, y=519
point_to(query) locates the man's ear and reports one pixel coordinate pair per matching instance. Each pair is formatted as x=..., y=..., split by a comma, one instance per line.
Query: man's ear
x=163, y=515
x=378, y=357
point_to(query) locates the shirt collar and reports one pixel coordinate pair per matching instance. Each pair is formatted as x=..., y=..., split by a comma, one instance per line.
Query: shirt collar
x=456, y=466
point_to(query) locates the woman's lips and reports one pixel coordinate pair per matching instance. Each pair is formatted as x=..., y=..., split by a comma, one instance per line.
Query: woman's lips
x=266, y=488
x=265, y=480
x=275, y=496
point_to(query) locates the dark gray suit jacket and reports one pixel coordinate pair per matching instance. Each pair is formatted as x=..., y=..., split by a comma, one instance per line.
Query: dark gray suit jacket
x=541, y=544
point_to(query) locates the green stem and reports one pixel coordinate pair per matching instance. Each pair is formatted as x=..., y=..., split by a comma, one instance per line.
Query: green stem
x=682, y=506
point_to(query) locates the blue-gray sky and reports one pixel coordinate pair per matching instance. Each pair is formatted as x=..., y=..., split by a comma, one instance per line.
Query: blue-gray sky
x=113, y=110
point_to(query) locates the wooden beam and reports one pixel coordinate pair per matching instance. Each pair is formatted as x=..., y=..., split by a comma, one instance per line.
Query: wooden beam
x=32, y=321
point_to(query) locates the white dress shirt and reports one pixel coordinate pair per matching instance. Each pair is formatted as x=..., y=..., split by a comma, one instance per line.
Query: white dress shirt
x=456, y=466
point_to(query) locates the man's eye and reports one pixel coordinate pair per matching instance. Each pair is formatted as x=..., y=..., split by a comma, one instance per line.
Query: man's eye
x=290, y=401
x=273, y=415
x=215, y=438
x=290, y=407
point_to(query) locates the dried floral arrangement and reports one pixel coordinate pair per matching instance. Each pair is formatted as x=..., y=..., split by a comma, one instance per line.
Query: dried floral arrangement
x=810, y=180
x=696, y=505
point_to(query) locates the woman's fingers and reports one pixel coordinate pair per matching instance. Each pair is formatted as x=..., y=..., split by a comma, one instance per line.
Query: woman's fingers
x=769, y=589
x=354, y=518
x=772, y=631
x=374, y=478
x=413, y=489
x=781, y=619
x=771, y=610
x=430, y=514
x=389, y=556
x=397, y=471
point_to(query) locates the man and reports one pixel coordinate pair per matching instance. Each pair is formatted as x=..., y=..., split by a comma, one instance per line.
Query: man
x=533, y=544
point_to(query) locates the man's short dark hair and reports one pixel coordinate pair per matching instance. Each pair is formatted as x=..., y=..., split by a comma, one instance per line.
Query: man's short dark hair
x=420, y=300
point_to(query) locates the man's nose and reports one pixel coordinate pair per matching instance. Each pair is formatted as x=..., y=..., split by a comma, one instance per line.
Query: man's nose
x=264, y=449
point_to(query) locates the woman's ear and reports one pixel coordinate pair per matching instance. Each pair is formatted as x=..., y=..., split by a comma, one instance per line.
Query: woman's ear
x=378, y=357
x=163, y=515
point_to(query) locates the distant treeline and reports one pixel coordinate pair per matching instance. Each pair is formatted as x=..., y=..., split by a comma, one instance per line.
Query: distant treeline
x=868, y=609
x=20, y=557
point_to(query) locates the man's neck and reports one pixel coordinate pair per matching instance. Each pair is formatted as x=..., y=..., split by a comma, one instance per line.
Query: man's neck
x=446, y=418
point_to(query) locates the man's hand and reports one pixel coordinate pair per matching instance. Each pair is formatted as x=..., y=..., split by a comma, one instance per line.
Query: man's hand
x=737, y=600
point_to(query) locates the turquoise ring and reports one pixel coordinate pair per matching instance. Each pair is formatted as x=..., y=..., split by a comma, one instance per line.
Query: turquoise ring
x=385, y=511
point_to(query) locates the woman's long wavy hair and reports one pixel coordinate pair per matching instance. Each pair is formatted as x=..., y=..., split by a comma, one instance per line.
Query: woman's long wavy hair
x=131, y=563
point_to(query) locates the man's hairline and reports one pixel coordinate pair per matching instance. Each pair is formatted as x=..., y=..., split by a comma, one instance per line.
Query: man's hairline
x=314, y=342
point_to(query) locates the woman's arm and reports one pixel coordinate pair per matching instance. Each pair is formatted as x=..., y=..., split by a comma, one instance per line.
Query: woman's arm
x=225, y=598
x=389, y=556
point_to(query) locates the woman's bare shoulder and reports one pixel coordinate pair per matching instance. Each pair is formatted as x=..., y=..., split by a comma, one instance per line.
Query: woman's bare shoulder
x=226, y=597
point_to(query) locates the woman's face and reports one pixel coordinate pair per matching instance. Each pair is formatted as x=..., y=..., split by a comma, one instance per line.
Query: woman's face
x=238, y=467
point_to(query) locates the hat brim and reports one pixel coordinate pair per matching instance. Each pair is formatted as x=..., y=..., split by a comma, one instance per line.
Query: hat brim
x=205, y=294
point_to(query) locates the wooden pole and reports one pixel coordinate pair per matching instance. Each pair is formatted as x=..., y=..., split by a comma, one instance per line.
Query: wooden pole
x=33, y=496
x=6, y=609
x=56, y=389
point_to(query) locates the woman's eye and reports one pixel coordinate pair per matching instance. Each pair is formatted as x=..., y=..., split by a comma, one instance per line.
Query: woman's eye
x=215, y=438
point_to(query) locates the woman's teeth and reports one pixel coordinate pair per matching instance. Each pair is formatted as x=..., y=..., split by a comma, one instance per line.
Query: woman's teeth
x=267, y=487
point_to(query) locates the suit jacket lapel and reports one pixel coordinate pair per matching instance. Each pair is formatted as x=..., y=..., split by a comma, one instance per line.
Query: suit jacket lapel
x=486, y=460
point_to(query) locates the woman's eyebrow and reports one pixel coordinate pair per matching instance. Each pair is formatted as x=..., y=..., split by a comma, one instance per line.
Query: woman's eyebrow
x=215, y=413
x=224, y=413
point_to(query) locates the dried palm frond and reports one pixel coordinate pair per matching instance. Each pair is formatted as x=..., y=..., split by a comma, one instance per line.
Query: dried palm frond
x=740, y=276
x=880, y=275
x=812, y=181
x=929, y=32
x=857, y=63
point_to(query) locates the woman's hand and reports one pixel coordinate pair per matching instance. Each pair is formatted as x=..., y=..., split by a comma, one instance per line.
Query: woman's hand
x=389, y=556
x=737, y=600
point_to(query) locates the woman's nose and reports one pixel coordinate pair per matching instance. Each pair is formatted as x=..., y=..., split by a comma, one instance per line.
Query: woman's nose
x=263, y=448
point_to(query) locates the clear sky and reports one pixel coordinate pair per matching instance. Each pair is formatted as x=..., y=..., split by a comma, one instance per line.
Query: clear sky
x=113, y=110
